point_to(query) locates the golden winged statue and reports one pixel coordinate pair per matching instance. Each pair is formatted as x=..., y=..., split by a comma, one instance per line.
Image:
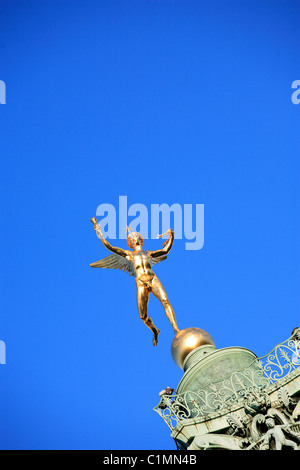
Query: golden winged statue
x=138, y=263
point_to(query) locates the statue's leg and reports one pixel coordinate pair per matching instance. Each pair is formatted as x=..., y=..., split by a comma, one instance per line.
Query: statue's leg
x=160, y=293
x=142, y=301
x=290, y=443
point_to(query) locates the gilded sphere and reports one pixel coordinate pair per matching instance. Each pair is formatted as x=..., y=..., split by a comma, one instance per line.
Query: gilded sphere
x=186, y=341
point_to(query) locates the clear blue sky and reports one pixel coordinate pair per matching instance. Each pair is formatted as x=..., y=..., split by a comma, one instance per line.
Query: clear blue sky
x=162, y=101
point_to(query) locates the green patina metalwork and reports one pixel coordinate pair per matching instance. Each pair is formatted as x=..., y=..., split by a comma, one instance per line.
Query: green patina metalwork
x=202, y=392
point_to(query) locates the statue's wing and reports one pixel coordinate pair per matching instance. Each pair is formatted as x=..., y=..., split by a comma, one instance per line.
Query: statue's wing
x=114, y=261
x=257, y=421
x=157, y=259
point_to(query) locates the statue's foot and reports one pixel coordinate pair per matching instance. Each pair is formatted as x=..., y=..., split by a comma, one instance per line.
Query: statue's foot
x=155, y=337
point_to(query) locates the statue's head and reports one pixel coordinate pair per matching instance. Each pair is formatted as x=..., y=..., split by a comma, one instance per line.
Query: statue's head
x=135, y=239
x=270, y=422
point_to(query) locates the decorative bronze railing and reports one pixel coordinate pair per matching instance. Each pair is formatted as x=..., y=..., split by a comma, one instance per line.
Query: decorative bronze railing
x=221, y=395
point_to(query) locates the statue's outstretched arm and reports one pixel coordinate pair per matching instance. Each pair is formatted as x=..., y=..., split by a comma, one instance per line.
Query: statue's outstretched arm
x=167, y=245
x=114, y=249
